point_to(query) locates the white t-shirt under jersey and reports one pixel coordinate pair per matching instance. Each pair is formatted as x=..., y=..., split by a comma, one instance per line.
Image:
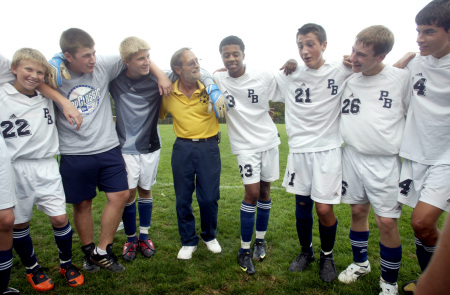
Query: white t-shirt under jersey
x=373, y=111
x=312, y=99
x=250, y=127
x=426, y=138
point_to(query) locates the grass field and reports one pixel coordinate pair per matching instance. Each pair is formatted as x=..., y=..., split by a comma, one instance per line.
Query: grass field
x=208, y=273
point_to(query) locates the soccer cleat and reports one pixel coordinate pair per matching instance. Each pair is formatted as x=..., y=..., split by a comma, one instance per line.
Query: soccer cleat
x=107, y=261
x=388, y=288
x=129, y=251
x=301, y=262
x=11, y=290
x=39, y=280
x=147, y=248
x=327, y=268
x=185, y=252
x=245, y=263
x=88, y=265
x=213, y=246
x=353, y=272
x=72, y=275
x=259, y=250
x=410, y=287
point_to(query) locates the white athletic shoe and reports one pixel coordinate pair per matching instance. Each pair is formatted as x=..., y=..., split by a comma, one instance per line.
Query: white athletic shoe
x=213, y=246
x=185, y=252
x=353, y=272
x=387, y=288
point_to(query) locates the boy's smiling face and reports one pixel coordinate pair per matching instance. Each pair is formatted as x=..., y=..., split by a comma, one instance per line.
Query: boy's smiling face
x=30, y=75
x=433, y=40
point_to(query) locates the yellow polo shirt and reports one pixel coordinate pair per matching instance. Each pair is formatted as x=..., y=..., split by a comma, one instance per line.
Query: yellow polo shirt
x=190, y=116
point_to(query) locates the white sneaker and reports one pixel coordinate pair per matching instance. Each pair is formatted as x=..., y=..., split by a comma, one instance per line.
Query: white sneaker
x=387, y=288
x=213, y=246
x=185, y=252
x=353, y=272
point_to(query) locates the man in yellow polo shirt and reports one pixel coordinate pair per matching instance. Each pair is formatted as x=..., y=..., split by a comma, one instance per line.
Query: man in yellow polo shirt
x=195, y=155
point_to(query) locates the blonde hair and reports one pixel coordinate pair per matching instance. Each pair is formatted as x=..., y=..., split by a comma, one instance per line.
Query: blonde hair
x=29, y=54
x=379, y=36
x=73, y=39
x=130, y=46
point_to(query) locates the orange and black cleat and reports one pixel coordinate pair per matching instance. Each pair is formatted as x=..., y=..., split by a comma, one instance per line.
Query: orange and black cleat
x=73, y=275
x=39, y=280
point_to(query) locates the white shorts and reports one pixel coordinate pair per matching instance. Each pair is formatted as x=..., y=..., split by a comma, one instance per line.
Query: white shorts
x=142, y=169
x=262, y=166
x=425, y=183
x=38, y=182
x=371, y=178
x=7, y=194
x=317, y=174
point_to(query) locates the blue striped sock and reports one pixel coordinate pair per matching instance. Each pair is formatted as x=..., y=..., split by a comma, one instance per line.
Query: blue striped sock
x=24, y=246
x=129, y=221
x=247, y=223
x=359, y=241
x=6, y=259
x=262, y=218
x=423, y=253
x=390, y=259
x=145, y=207
x=63, y=239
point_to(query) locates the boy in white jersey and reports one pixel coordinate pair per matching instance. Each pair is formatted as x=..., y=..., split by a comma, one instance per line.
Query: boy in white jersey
x=374, y=104
x=254, y=139
x=28, y=127
x=91, y=158
x=313, y=173
x=424, y=180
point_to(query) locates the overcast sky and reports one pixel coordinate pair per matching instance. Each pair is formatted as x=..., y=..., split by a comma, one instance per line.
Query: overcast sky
x=268, y=28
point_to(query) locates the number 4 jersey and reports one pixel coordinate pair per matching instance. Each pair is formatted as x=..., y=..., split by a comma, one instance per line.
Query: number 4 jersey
x=373, y=111
x=426, y=138
x=27, y=124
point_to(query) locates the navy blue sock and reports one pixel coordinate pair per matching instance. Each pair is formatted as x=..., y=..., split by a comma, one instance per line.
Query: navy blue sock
x=6, y=259
x=359, y=241
x=390, y=259
x=63, y=238
x=424, y=254
x=327, y=236
x=145, y=207
x=129, y=221
x=304, y=222
x=247, y=224
x=23, y=245
x=262, y=218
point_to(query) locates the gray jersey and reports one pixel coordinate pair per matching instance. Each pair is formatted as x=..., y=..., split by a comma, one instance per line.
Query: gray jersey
x=89, y=93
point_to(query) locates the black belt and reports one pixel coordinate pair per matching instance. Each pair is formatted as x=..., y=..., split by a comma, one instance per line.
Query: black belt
x=199, y=139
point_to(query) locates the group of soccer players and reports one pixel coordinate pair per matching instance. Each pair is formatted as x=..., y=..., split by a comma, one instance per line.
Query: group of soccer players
x=345, y=121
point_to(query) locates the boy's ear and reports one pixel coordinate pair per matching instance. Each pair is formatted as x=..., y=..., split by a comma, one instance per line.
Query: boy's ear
x=68, y=56
x=381, y=57
x=324, y=45
x=13, y=70
x=178, y=70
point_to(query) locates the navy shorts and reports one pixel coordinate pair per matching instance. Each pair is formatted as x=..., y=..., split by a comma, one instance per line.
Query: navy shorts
x=82, y=174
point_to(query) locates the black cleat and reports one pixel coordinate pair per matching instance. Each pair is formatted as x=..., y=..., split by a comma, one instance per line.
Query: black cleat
x=245, y=262
x=87, y=263
x=11, y=290
x=259, y=250
x=410, y=287
x=327, y=268
x=301, y=262
x=107, y=261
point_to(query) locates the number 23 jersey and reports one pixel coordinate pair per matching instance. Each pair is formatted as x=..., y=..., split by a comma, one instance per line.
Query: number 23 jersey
x=27, y=125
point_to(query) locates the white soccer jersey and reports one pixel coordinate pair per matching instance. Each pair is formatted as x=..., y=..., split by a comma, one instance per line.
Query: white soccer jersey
x=426, y=138
x=5, y=70
x=373, y=111
x=250, y=127
x=27, y=125
x=312, y=99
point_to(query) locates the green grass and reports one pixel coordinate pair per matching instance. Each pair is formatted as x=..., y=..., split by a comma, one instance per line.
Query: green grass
x=208, y=273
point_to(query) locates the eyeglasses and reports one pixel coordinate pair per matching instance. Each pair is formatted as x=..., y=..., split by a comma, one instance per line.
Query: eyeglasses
x=192, y=63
